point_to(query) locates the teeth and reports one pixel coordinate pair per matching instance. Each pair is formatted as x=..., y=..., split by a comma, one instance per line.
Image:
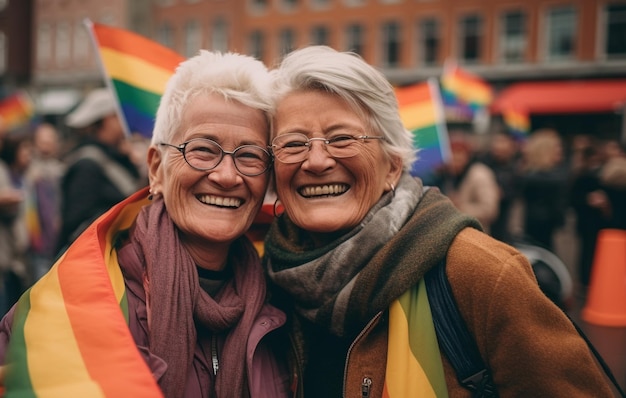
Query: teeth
x=220, y=201
x=322, y=190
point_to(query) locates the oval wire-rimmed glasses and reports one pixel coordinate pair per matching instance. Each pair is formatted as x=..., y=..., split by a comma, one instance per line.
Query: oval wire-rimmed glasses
x=295, y=147
x=203, y=154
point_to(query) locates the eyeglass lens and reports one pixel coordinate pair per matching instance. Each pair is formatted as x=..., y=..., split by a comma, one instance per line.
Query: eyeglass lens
x=205, y=154
x=295, y=147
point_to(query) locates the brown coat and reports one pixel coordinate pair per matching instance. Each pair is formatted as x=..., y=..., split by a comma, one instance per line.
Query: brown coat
x=531, y=347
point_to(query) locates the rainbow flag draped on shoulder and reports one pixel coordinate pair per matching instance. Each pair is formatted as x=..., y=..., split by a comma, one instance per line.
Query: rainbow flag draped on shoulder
x=421, y=111
x=137, y=69
x=70, y=335
x=414, y=366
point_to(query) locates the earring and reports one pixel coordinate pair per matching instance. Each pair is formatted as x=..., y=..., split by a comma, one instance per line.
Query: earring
x=393, y=190
x=276, y=205
x=150, y=195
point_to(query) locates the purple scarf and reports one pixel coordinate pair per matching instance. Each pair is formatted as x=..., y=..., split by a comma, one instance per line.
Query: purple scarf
x=174, y=301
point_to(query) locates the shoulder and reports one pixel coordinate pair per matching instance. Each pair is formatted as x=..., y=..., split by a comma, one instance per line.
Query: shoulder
x=478, y=264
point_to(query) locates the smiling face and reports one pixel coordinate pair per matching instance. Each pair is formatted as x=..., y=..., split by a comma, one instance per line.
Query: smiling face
x=218, y=205
x=323, y=194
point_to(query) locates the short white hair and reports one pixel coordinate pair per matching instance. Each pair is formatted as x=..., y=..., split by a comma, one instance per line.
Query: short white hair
x=235, y=76
x=362, y=86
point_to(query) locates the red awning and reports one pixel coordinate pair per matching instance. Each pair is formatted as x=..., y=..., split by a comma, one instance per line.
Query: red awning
x=578, y=96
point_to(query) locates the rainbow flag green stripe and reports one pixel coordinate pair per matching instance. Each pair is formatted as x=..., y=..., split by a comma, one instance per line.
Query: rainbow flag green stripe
x=421, y=111
x=70, y=335
x=138, y=69
x=414, y=367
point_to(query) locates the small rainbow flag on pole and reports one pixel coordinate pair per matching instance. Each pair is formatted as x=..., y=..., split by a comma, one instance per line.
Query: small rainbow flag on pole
x=137, y=70
x=421, y=111
x=15, y=110
x=517, y=122
x=463, y=89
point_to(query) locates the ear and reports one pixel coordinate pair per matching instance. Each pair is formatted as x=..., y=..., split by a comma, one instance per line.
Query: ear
x=155, y=171
x=395, y=170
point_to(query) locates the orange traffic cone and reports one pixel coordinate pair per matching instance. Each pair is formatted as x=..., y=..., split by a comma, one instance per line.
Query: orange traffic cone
x=606, y=295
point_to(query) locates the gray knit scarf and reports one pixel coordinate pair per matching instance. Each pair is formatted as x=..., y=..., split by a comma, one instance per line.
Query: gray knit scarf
x=343, y=285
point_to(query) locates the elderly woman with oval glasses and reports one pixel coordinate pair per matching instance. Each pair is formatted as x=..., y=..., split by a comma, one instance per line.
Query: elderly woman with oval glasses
x=164, y=295
x=348, y=256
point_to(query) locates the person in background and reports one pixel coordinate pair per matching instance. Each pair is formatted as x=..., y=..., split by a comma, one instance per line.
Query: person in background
x=190, y=319
x=589, y=203
x=16, y=153
x=13, y=235
x=502, y=158
x=544, y=187
x=43, y=179
x=613, y=183
x=469, y=183
x=347, y=257
x=99, y=174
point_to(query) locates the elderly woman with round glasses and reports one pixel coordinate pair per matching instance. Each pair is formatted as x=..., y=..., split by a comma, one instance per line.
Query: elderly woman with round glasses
x=347, y=258
x=164, y=295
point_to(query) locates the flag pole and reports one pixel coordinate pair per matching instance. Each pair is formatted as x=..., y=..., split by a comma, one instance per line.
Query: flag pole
x=107, y=79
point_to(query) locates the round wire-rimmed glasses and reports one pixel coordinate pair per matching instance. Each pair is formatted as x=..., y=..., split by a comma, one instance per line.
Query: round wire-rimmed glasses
x=295, y=147
x=204, y=154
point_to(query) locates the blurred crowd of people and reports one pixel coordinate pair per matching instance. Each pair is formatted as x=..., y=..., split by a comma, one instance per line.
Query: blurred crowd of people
x=53, y=185
x=547, y=177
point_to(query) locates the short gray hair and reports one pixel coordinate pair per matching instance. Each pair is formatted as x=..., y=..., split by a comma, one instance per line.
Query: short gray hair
x=234, y=76
x=362, y=86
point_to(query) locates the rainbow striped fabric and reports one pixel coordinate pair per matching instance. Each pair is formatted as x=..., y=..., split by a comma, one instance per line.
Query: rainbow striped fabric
x=138, y=70
x=16, y=110
x=421, y=111
x=463, y=89
x=517, y=122
x=414, y=366
x=70, y=335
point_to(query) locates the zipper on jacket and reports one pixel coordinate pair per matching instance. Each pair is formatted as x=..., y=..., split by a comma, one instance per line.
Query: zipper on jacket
x=345, y=368
x=365, y=387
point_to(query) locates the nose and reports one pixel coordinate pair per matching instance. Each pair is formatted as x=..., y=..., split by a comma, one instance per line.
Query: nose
x=225, y=173
x=318, y=158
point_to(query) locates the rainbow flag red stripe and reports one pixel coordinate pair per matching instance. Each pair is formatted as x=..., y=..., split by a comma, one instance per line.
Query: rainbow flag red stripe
x=462, y=87
x=138, y=70
x=421, y=111
x=70, y=335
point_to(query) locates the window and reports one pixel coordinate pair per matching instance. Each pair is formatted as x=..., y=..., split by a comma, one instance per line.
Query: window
x=470, y=38
x=44, y=44
x=165, y=35
x=62, y=44
x=353, y=3
x=512, y=37
x=429, y=41
x=193, y=38
x=256, y=44
x=391, y=44
x=318, y=4
x=286, y=40
x=219, y=35
x=615, y=46
x=288, y=5
x=354, y=38
x=3, y=53
x=258, y=6
x=81, y=43
x=561, y=29
x=320, y=35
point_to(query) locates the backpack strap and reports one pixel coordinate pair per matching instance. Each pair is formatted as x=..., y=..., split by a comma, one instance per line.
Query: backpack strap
x=454, y=338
